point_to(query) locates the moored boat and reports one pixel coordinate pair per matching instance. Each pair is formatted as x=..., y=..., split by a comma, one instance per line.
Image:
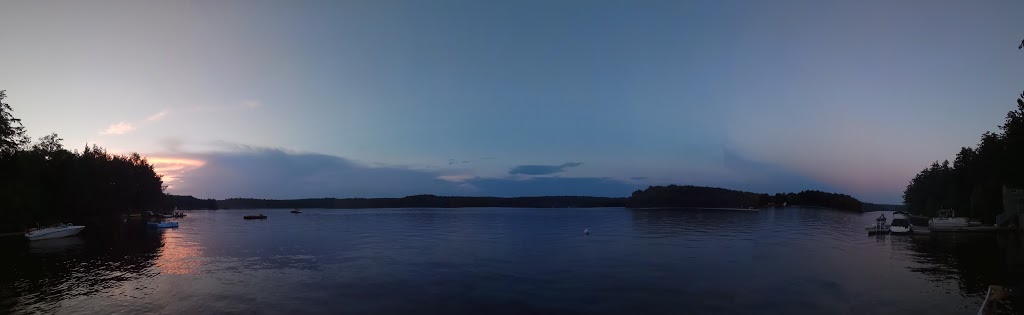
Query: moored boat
x=296, y=210
x=947, y=219
x=56, y=231
x=900, y=223
x=162, y=224
x=255, y=217
x=880, y=227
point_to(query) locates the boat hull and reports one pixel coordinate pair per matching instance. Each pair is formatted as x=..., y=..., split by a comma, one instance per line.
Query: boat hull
x=163, y=224
x=50, y=233
x=899, y=229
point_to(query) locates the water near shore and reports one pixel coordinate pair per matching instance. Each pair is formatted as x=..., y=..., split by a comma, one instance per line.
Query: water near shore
x=507, y=261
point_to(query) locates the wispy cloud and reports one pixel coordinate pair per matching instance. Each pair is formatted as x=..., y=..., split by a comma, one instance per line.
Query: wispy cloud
x=157, y=116
x=125, y=127
x=118, y=129
x=457, y=178
x=541, y=169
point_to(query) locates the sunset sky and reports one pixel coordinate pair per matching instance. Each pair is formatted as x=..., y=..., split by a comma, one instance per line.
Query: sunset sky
x=296, y=99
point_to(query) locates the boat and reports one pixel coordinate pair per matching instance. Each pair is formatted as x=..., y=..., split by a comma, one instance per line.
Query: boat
x=880, y=227
x=177, y=215
x=167, y=216
x=162, y=224
x=56, y=231
x=296, y=210
x=255, y=217
x=947, y=219
x=900, y=223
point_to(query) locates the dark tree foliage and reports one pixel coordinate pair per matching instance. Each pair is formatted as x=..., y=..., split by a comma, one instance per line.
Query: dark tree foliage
x=973, y=184
x=709, y=197
x=693, y=197
x=12, y=133
x=814, y=198
x=45, y=183
x=190, y=203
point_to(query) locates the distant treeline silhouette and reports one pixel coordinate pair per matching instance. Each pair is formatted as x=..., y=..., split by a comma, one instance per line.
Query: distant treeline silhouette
x=655, y=196
x=709, y=197
x=191, y=203
x=426, y=201
x=43, y=183
x=973, y=184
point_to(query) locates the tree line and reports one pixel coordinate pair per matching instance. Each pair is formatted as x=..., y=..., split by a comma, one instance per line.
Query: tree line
x=972, y=184
x=710, y=197
x=654, y=196
x=43, y=183
x=426, y=201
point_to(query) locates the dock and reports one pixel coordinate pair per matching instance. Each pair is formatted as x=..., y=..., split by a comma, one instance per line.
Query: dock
x=872, y=230
x=996, y=301
x=977, y=229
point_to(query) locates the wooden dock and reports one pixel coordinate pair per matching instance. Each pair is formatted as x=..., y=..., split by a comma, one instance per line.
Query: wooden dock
x=995, y=301
x=872, y=230
x=971, y=229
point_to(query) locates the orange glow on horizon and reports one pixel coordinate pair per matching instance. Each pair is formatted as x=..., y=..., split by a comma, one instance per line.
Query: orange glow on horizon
x=171, y=168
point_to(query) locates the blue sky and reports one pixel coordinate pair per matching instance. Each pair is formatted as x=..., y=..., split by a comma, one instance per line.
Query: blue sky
x=386, y=98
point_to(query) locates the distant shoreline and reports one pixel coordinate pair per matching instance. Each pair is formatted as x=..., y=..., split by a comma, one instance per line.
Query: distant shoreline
x=697, y=208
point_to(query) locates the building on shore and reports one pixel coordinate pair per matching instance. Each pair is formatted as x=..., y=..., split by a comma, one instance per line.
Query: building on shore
x=1013, y=206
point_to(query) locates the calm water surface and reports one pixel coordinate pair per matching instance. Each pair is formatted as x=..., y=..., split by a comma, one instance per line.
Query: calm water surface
x=507, y=261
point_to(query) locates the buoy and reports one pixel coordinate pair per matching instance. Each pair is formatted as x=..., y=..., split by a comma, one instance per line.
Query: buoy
x=586, y=231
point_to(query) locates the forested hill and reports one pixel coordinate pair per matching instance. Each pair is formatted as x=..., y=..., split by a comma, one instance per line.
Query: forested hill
x=696, y=196
x=814, y=198
x=693, y=197
x=191, y=203
x=426, y=201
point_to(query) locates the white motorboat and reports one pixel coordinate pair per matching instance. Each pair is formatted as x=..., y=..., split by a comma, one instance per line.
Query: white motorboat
x=900, y=223
x=948, y=219
x=56, y=231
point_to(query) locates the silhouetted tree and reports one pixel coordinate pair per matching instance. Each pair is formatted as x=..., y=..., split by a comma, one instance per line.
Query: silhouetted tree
x=44, y=183
x=12, y=133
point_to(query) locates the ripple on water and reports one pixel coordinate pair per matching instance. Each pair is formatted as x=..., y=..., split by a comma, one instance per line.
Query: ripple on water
x=511, y=261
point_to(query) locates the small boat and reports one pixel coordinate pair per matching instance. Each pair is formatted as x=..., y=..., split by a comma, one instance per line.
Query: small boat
x=255, y=217
x=296, y=210
x=178, y=215
x=162, y=224
x=56, y=231
x=900, y=223
x=166, y=216
x=880, y=227
x=948, y=219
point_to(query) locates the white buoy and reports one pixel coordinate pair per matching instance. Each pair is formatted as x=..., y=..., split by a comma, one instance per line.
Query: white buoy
x=586, y=231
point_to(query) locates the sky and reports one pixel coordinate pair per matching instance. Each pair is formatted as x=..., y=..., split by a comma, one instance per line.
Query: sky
x=302, y=99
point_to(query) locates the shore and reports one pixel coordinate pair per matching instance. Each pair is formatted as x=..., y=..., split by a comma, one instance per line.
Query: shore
x=701, y=208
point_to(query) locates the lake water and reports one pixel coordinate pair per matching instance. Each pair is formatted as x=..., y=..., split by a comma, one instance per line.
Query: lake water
x=507, y=261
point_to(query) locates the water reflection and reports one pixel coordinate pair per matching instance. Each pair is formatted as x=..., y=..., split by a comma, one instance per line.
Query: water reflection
x=973, y=261
x=40, y=275
x=178, y=255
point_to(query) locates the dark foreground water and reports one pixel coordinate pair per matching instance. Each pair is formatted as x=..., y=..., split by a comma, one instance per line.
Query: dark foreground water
x=507, y=261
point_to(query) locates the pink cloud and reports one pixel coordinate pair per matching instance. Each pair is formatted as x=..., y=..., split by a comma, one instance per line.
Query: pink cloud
x=118, y=129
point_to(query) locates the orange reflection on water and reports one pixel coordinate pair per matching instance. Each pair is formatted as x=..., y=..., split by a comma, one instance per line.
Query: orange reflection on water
x=179, y=256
